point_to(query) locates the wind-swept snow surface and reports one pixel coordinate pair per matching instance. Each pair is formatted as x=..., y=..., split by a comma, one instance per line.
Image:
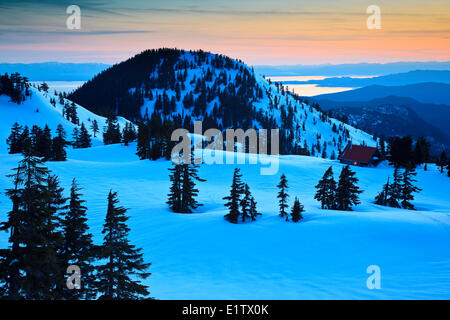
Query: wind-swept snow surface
x=325, y=256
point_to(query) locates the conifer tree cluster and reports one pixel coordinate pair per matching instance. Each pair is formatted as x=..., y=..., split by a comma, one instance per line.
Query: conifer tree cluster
x=128, y=134
x=37, y=142
x=15, y=86
x=47, y=235
x=340, y=196
x=111, y=131
x=399, y=193
x=241, y=203
x=70, y=113
x=183, y=192
x=297, y=209
x=81, y=138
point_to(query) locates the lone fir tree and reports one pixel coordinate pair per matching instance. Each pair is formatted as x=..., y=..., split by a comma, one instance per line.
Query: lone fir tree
x=59, y=144
x=78, y=247
x=382, y=197
x=326, y=190
x=94, y=127
x=234, y=198
x=394, y=190
x=175, y=177
x=347, y=191
x=297, y=209
x=407, y=188
x=283, y=196
x=124, y=262
x=84, y=138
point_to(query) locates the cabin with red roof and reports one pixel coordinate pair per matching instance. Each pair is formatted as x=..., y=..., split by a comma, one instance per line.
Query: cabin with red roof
x=358, y=155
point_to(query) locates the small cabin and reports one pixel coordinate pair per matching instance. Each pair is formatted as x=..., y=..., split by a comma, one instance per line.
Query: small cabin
x=358, y=155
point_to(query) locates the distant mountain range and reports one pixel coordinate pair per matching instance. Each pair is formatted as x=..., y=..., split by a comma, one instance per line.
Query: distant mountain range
x=429, y=92
x=397, y=79
x=57, y=71
x=54, y=71
x=355, y=69
x=396, y=116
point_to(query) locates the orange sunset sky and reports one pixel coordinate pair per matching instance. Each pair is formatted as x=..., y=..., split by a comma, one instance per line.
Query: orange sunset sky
x=258, y=32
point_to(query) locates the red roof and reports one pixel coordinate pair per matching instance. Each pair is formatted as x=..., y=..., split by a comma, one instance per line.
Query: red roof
x=354, y=152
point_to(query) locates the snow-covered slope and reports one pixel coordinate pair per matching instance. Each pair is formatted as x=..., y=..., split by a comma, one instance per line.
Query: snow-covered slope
x=37, y=110
x=223, y=89
x=201, y=256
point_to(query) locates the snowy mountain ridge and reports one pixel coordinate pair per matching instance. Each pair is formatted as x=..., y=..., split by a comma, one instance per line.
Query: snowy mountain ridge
x=222, y=92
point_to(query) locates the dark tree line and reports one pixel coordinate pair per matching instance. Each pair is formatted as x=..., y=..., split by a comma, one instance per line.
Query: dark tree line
x=401, y=152
x=47, y=235
x=38, y=142
x=15, y=86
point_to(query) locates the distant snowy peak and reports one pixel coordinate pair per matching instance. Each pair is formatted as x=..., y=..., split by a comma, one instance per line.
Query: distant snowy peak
x=222, y=92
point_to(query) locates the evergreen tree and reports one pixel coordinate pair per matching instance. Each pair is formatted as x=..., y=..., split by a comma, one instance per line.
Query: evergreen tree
x=129, y=133
x=111, y=132
x=282, y=196
x=234, y=197
x=448, y=169
x=442, y=162
x=407, y=189
x=58, y=145
x=421, y=153
x=297, y=209
x=123, y=261
x=326, y=190
x=248, y=205
x=347, y=191
x=84, y=138
x=76, y=138
x=30, y=265
x=174, y=200
x=25, y=140
x=44, y=145
x=143, y=142
x=188, y=190
x=382, y=197
x=394, y=191
x=253, y=211
x=78, y=248
x=95, y=128
x=14, y=142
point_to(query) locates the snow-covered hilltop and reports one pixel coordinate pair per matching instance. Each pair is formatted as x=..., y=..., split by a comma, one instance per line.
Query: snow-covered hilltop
x=37, y=109
x=222, y=92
